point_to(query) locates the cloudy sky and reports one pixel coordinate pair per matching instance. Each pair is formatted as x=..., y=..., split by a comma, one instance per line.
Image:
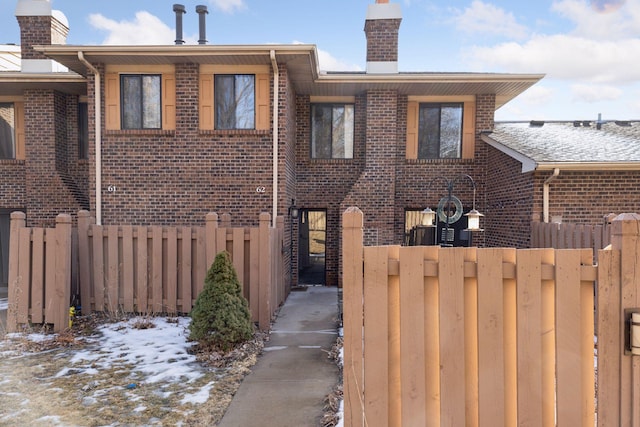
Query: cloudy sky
x=589, y=50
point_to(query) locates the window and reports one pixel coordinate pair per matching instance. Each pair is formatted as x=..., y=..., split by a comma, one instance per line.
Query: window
x=440, y=131
x=140, y=97
x=235, y=101
x=140, y=100
x=7, y=131
x=83, y=131
x=332, y=131
x=441, y=127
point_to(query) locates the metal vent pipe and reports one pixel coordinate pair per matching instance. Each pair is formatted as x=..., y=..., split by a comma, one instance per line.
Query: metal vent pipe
x=202, y=11
x=179, y=10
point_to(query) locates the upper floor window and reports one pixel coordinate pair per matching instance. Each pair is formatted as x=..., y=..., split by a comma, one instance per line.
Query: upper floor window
x=140, y=97
x=234, y=97
x=12, y=130
x=440, y=131
x=235, y=101
x=7, y=131
x=332, y=130
x=140, y=101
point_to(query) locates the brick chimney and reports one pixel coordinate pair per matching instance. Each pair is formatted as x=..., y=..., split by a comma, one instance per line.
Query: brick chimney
x=381, y=28
x=39, y=25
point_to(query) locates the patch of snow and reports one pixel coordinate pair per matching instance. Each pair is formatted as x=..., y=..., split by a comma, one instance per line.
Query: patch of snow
x=157, y=354
x=200, y=396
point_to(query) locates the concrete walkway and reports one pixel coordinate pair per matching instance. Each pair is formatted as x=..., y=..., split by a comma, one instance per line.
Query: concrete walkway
x=288, y=384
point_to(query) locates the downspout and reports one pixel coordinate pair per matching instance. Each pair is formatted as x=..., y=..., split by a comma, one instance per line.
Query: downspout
x=98, y=136
x=545, y=193
x=276, y=89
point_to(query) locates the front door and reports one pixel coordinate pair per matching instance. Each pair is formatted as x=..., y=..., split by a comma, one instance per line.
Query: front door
x=312, y=246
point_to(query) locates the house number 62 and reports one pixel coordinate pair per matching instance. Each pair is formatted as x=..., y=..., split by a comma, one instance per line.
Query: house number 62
x=261, y=190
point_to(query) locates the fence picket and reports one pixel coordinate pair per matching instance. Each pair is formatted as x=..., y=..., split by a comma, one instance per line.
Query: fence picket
x=128, y=283
x=432, y=340
x=452, y=337
x=185, y=269
x=568, y=324
x=172, y=270
x=156, y=270
x=491, y=342
x=142, y=270
x=113, y=269
x=376, y=335
x=38, y=275
x=412, y=336
x=49, y=273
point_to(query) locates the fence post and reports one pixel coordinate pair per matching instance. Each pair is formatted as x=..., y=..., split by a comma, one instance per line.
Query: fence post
x=60, y=298
x=264, y=317
x=211, y=226
x=278, y=257
x=353, y=312
x=84, y=221
x=625, y=237
x=18, y=221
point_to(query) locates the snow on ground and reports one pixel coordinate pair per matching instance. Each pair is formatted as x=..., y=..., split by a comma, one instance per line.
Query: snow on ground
x=158, y=352
x=136, y=372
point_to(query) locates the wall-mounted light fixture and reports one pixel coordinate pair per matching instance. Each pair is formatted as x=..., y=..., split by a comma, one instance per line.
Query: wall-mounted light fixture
x=293, y=210
x=444, y=209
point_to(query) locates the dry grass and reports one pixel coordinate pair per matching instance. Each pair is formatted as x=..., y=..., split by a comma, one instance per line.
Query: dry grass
x=332, y=401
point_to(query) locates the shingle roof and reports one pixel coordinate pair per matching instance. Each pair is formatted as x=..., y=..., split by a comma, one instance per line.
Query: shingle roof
x=577, y=143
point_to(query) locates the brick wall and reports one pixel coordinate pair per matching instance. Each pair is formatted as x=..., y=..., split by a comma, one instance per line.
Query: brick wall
x=586, y=197
x=12, y=184
x=176, y=177
x=323, y=184
x=509, y=202
x=49, y=178
x=39, y=30
x=382, y=39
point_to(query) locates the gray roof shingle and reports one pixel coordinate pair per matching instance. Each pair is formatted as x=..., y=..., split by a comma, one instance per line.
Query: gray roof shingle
x=571, y=142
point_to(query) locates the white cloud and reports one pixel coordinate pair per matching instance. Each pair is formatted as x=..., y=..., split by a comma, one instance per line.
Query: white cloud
x=228, y=6
x=565, y=57
x=602, y=19
x=330, y=63
x=485, y=18
x=144, y=29
x=595, y=93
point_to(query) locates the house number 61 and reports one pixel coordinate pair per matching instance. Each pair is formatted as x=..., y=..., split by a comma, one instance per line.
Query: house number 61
x=261, y=190
x=112, y=188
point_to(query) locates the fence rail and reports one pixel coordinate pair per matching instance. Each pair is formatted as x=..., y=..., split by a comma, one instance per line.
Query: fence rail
x=494, y=336
x=141, y=269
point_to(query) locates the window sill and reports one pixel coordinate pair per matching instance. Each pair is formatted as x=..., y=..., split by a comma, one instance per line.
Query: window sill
x=12, y=162
x=229, y=132
x=140, y=132
x=331, y=161
x=440, y=161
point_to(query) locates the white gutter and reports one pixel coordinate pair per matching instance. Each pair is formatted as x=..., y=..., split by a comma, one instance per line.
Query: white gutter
x=98, y=136
x=276, y=89
x=545, y=194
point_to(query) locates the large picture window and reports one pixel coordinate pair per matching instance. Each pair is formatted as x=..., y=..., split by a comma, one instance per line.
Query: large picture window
x=7, y=131
x=440, y=131
x=235, y=101
x=332, y=129
x=141, y=101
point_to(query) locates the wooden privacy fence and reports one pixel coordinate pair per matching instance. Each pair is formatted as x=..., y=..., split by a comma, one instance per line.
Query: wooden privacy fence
x=570, y=236
x=488, y=337
x=138, y=269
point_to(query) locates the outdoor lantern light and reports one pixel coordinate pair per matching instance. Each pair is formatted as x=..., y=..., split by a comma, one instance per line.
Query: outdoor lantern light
x=293, y=210
x=473, y=218
x=428, y=217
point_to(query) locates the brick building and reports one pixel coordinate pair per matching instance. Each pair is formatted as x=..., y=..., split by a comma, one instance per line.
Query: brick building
x=165, y=134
